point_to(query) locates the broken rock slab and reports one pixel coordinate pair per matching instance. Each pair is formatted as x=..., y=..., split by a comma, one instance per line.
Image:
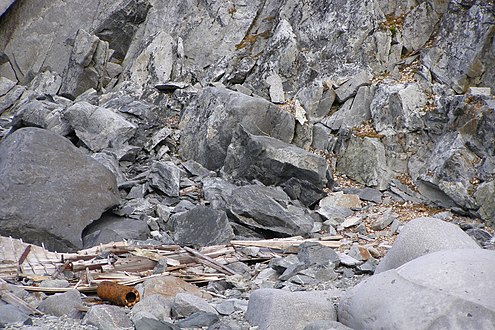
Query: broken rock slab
x=54, y=190
x=165, y=177
x=422, y=236
x=201, y=226
x=442, y=290
x=186, y=304
x=268, y=209
x=209, y=123
x=273, y=309
x=274, y=162
x=68, y=303
x=98, y=127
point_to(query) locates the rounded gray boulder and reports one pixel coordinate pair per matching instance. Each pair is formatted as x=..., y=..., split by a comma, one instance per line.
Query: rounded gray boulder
x=451, y=289
x=422, y=236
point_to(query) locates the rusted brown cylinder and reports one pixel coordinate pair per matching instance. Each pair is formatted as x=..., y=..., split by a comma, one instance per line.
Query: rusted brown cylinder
x=117, y=294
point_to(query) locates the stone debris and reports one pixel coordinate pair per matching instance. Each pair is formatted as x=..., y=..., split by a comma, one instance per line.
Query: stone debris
x=234, y=162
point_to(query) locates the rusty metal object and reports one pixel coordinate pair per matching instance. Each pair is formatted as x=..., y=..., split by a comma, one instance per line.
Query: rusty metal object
x=117, y=294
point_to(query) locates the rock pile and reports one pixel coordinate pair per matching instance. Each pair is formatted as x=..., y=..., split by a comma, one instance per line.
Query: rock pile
x=167, y=123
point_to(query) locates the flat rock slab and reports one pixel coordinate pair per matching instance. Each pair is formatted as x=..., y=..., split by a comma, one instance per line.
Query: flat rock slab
x=52, y=191
x=273, y=309
x=170, y=286
x=422, y=236
x=450, y=289
x=112, y=228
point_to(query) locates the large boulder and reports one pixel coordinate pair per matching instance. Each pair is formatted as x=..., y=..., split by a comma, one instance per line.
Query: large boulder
x=422, y=236
x=273, y=309
x=208, y=126
x=450, y=289
x=52, y=191
x=274, y=162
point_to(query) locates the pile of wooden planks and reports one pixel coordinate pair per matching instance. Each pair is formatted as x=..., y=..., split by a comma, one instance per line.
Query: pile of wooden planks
x=130, y=264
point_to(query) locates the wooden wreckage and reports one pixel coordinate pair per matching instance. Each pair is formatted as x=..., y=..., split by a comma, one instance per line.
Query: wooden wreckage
x=129, y=264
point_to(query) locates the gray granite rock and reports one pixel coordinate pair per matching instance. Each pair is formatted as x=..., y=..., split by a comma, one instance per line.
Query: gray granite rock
x=201, y=226
x=315, y=254
x=220, y=111
x=86, y=68
x=485, y=195
x=444, y=289
x=55, y=191
x=68, y=303
x=422, y=236
x=198, y=320
x=274, y=309
x=326, y=325
x=465, y=63
x=395, y=108
x=108, y=317
x=350, y=87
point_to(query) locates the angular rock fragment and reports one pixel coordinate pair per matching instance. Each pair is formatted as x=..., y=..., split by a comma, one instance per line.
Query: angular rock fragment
x=269, y=210
x=165, y=176
x=201, y=226
x=68, y=303
x=350, y=87
x=112, y=228
x=186, y=304
x=273, y=162
x=108, y=317
x=53, y=190
x=11, y=314
x=365, y=161
x=460, y=56
x=98, y=127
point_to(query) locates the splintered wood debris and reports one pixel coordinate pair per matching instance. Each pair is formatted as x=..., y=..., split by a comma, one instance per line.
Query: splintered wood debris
x=129, y=264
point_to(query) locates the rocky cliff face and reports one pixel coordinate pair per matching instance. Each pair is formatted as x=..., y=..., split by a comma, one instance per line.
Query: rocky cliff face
x=253, y=108
x=406, y=86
